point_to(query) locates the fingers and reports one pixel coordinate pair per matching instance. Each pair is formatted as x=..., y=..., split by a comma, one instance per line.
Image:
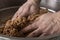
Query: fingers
x=25, y=11
x=19, y=11
x=35, y=33
x=29, y=28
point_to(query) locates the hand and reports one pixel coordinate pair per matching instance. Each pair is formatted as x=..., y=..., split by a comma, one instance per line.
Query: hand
x=45, y=25
x=12, y=27
x=30, y=7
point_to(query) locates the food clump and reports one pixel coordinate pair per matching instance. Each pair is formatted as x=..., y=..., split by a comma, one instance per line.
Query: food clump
x=12, y=28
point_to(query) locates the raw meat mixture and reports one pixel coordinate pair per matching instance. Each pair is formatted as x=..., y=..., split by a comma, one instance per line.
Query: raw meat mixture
x=12, y=28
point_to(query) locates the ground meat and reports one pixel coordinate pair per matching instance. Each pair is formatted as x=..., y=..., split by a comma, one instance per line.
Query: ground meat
x=1, y=29
x=12, y=28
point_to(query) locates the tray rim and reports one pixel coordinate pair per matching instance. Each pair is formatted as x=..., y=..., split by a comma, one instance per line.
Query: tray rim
x=7, y=37
x=19, y=6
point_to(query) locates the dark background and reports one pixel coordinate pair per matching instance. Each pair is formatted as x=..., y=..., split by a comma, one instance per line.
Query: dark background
x=9, y=3
x=52, y=4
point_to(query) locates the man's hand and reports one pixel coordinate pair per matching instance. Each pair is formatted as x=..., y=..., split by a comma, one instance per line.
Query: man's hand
x=30, y=7
x=44, y=25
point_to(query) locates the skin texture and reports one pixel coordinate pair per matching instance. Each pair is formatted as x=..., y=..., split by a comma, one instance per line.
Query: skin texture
x=30, y=7
x=13, y=27
x=46, y=24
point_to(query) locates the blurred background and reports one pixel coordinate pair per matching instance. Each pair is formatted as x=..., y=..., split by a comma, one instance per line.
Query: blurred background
x=51, y=4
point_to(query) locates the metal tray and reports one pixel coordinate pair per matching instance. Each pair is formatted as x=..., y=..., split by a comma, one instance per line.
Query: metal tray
x=6, y=12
